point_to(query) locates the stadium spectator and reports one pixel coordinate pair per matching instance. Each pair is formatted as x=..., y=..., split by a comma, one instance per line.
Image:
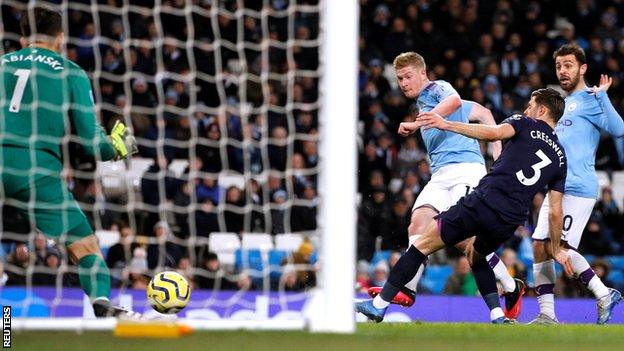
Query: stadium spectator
x=362, y=277
x=41, y=248
x=289, y=281
x=302, y=258
x=303, y=216
x=609, y=210
x=185, y=268
x=595, y=240
x=380, y=273
x=120, y=254
x=234, y=219
x=461, y=282
x=46, y=273
x=514, y=266
x=163, y=253
x=211, y=275
x=17, y=263
x=134, y=275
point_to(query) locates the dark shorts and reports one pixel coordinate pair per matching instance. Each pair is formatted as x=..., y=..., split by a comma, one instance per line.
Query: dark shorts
x=471, y=217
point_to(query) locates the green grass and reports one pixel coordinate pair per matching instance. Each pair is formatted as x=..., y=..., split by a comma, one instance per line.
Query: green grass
x=412, y=336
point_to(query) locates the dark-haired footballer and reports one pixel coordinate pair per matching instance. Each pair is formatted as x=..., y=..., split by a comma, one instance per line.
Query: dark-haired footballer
x=588, y=113
x=41, y=94
x=532, y=159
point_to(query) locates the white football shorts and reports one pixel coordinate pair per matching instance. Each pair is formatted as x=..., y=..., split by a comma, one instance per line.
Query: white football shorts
x=449, y=184
x=576, y=213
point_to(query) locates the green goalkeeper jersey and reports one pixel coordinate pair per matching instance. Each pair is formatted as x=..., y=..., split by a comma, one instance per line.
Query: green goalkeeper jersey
x=42, y=96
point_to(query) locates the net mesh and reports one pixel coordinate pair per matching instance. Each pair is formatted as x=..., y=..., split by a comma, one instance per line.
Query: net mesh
x=223, y=99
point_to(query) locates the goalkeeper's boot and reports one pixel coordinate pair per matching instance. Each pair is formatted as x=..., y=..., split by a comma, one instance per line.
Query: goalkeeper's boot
x=607, y=304
x=513, y=300
x=405, y=297
x=504, y=320
x=103, y=309
x=543, y=319
x=373, y=313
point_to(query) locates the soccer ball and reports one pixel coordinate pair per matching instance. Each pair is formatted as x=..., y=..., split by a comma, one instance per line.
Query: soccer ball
x=168, y=292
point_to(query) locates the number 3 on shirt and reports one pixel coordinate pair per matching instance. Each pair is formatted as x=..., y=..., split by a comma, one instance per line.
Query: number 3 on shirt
x=537, y=169
x=18, y=93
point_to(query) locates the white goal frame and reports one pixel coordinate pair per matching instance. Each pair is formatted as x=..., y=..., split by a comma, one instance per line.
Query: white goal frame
x=330, y=305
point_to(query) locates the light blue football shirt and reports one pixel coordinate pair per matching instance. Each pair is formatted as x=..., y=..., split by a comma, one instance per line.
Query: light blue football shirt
x=585, y=116
x=446, y=147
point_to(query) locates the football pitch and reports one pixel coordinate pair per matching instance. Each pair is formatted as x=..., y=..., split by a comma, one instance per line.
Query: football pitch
x=386, y=336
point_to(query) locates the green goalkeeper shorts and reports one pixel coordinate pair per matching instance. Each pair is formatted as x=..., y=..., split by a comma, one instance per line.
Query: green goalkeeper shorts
x=32, y=183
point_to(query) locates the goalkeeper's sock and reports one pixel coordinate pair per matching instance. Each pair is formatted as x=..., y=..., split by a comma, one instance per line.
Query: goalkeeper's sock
x=94, y=277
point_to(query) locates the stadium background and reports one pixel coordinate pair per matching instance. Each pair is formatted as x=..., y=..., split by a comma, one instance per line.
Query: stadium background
x=229, y=136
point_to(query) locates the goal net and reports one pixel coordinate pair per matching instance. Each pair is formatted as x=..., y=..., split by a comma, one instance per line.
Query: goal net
x=244, y=113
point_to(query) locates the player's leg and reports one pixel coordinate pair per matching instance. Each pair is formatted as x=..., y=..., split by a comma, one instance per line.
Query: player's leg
x=421, y=218
x=468, y=178
x=58, y=216
x=577, y=211
x=544, y=275
x=486, y=282
x=500, y=271
x=434, y=195
x=403, y=271
x=491, y=233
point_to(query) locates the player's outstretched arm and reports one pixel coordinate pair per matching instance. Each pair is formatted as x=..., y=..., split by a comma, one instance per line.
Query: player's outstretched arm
x=484, y=116
x=476, y=131
x=555, y=222
x=612, y=121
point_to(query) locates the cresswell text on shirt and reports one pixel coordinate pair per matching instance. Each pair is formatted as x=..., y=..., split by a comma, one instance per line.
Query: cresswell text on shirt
x=536, y=134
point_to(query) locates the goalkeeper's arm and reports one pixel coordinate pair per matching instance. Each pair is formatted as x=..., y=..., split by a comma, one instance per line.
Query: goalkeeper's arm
x=91, y=134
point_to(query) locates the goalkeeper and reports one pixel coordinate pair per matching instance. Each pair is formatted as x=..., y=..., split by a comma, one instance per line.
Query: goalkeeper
x=41, y=96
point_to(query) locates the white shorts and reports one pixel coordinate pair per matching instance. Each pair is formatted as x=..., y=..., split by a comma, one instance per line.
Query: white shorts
x=576, y=213
x=449, y=184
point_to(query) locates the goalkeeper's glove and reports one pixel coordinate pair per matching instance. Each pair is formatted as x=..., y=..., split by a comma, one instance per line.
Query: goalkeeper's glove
x=123, y=141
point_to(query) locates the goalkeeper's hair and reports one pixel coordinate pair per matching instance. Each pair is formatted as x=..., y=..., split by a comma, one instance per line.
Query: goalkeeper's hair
x=47, y=22
x=409, y=59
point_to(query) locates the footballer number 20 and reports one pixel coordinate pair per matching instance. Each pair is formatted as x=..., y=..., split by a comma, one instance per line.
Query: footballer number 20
x=18, y=93
x=537, y=170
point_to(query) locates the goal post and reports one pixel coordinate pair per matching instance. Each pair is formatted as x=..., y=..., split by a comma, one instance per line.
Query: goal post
x=338, y=181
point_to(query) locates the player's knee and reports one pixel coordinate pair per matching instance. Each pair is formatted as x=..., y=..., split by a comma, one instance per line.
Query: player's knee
x=84, y=247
